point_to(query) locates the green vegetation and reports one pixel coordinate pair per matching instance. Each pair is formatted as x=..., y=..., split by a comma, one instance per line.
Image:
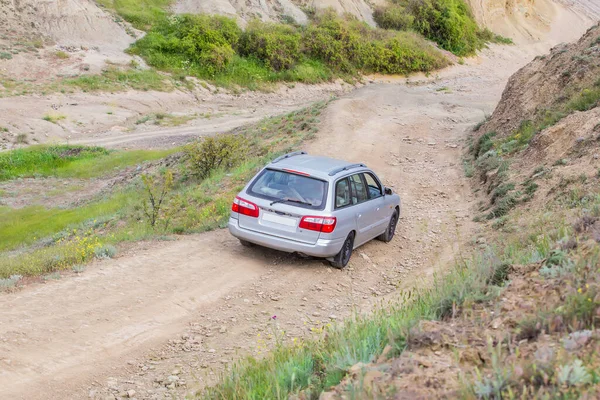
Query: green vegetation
x=490, y=154
x=115, y=79
x=25, y=225
x=62, y=55
x=54, y=118
x=211, y=153
x=215, y=48
x=66, y=161
x=142, y=14
x=112, y=79
x=449, y=23
x=37, y=240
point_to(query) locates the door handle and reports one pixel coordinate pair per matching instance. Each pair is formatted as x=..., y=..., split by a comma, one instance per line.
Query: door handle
x=377, y=208
x=358, y=215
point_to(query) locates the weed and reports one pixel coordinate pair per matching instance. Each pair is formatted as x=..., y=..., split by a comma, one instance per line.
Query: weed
x=143, y=120
x=106, y=251
x=61, y=55
x=78, y=269
x=491, y=387
x=501, y=191
x=500, y=222
x=21, y=138
x=573, y=374
x=468, y=168
x=529, y=329
x=54, y=118
x=53, y=276
x=10, y=282
x=483, y=144
x=5, y=56
x=115, y=79
x=157, y=190
x=503, y=206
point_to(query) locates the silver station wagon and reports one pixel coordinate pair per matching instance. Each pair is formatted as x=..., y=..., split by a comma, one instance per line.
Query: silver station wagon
x=314, y=206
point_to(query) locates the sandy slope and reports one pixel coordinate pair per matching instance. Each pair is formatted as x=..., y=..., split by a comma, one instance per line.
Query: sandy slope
x=171, y=308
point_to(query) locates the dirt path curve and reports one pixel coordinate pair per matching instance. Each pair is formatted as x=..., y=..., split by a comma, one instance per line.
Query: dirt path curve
x=161, y=321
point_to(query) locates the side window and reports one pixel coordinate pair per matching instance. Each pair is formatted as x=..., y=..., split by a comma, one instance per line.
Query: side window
x=373, y=187
x=359, y=191
x=342, y=193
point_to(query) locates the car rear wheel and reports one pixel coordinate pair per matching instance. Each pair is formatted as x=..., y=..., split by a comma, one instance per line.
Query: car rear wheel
x=343, y=257
x=389, y=233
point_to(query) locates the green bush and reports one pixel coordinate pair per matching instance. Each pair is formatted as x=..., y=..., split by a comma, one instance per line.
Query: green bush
x=213, y=152
x=349, y=46
x=447, y=22
x=338, y=43
x=200, y=42
x=393, y=17
x=277, y=45
x=215, y=48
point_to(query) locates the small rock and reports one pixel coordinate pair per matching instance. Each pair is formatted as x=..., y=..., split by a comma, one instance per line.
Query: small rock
x=223, y=329
x=333, y=317
x=316, y=314
x=130, y=393
x=212, y=351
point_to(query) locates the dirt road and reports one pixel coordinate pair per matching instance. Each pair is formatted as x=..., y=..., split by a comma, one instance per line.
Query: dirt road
x=161, y=320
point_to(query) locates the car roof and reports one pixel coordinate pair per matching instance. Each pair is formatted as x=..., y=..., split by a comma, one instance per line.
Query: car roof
x=317, y=166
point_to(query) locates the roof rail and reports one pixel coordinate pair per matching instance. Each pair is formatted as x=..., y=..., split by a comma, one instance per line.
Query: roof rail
x=347, y=167
x=288, y=155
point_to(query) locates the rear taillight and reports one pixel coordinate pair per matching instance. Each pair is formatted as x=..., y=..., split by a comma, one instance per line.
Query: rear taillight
x=244, y=207
x=319, y=224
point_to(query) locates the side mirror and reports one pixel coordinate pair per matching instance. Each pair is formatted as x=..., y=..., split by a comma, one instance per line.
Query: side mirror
x=387, y=191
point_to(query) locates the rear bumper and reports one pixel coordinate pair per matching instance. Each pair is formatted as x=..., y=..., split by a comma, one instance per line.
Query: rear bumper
x=322, y=248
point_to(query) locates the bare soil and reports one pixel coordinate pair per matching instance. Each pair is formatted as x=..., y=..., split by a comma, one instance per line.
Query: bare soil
x=163, y=318
x=115, y=120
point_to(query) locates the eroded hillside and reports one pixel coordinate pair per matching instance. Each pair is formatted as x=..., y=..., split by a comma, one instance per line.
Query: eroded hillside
x=520, y=319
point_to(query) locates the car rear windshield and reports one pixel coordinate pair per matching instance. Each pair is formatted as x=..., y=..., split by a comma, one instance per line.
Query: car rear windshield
x=290, y=188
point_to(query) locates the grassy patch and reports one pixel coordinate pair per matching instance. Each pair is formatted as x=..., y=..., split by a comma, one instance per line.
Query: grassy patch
x=115, y=79
x=216, y=49
x=38, y=240
x=61, y=55
x=26, y=225
x=54, y=118
x=66, y=161
x=142, y=14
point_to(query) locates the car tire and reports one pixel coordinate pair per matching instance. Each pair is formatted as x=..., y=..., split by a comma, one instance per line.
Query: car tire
x=246, y=243
x=390, y=231
x=342, y=258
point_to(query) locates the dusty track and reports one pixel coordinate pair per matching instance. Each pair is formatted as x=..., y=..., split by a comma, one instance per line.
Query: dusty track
x=128, y=323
